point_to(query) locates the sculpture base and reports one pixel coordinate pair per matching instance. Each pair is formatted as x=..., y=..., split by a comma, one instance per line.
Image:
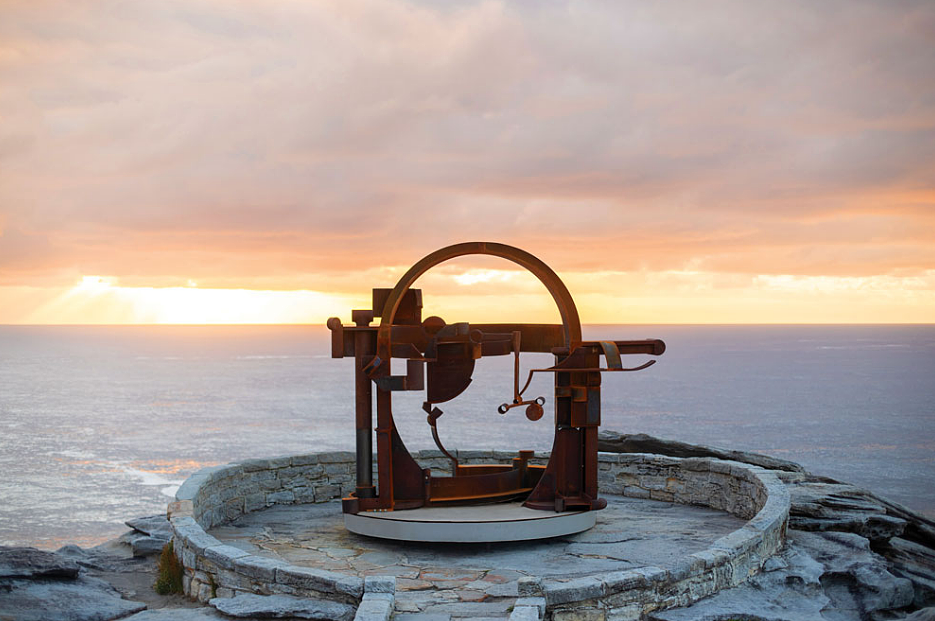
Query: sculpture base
x=469, y=524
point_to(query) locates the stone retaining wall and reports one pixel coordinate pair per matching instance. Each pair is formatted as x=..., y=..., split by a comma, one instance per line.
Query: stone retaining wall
x=742, y=490
x=218, y=495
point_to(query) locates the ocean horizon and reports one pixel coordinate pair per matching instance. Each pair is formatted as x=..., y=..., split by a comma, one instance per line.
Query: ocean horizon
x=99, y=424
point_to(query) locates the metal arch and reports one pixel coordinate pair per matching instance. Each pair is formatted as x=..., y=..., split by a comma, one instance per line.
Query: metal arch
x=571, y=324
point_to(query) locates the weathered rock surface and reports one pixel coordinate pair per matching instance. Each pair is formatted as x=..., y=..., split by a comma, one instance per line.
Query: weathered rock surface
x=905, y=539
x=76, y=599
x=855, y=579
x=36, y=584
x=149, y=535
x=897, y=545
x=819, y=576
x=154, y=525
x=102, y=558
x=914, y=562
x=145, y=545
x=33, y=563
x=84, y=557
x=823, y=504
x=179, y=614
x=282, y=607
x=820, y=506
x=142, y=544
x=614, y=442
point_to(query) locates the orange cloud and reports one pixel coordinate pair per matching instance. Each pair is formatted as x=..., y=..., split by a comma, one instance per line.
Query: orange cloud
x=302, y=146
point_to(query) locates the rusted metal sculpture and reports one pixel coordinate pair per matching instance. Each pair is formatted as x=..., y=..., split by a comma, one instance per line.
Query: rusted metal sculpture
x=440, y=358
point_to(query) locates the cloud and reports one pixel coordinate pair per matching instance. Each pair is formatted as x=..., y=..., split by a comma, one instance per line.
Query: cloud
x=249, y=144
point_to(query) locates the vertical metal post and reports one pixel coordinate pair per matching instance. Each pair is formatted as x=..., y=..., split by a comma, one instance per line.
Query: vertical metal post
x=385, y=449
x=363, y=392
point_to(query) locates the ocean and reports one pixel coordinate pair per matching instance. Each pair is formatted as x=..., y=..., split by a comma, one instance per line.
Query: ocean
x=101, y=424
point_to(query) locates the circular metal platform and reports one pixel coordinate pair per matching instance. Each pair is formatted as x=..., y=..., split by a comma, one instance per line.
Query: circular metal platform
x=471, y=524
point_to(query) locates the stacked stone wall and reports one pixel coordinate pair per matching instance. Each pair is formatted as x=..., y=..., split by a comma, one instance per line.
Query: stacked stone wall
x=218, y=495
x=742, y=490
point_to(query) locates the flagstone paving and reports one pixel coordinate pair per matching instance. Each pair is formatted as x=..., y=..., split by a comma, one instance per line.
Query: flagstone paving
x=479, y=580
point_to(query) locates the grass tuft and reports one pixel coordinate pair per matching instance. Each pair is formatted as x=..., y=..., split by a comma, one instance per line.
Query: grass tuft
x=170, y=572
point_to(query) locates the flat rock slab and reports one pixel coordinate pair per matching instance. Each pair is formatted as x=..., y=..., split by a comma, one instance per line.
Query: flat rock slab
x=91, y=558
x=282, y=607
x=820, y=506
x=132, y=577
x=154, y=525
x=453, y=578
x=144, y=545
x=615, y=442
x=33, y=563
x=179, y=614
x=81, y=599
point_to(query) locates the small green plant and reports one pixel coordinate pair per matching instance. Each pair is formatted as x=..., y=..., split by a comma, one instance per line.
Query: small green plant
x=170, y=572
x=213, y=585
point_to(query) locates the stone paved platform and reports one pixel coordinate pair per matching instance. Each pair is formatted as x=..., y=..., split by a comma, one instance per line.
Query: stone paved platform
x=479, y=580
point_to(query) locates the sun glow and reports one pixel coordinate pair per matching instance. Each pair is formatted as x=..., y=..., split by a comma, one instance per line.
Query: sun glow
x=101, y=300
x=674, y=296
x=479, y=276
x=94, y=284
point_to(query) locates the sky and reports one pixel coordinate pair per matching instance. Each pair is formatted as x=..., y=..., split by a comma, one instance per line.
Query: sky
x=199, y=161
